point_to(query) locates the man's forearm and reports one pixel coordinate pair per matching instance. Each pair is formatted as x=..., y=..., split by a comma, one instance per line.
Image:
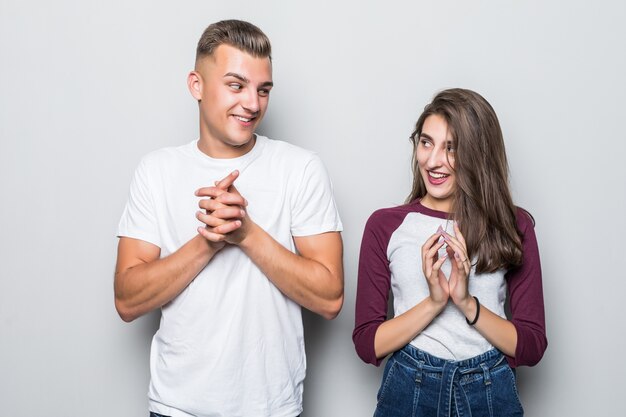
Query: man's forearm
x=313, y=279
x=146, y=284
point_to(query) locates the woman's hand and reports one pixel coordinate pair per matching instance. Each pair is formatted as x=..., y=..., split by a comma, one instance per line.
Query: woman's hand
x=461, y=265
x=431, y=265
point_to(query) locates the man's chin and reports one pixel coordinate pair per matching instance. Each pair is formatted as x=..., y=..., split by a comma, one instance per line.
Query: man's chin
x=240, y=143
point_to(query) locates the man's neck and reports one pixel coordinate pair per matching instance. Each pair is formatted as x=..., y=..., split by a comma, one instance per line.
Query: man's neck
x=221, y=150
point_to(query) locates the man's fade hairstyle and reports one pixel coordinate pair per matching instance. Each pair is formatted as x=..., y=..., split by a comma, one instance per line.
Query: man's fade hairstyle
x=239, y=34
x=482, y=205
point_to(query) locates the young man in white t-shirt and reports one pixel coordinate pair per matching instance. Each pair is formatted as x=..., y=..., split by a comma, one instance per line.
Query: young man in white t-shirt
x=229, y=235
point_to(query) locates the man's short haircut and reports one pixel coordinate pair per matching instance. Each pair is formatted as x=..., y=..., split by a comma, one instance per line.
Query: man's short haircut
x=239, y=34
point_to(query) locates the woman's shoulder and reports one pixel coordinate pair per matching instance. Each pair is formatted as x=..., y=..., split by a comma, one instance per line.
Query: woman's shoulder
x=382, y=214
x=392, y=217
x=524, y=220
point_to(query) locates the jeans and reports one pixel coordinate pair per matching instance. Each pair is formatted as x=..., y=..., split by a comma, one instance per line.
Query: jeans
x=153, y=414
x=418, y=384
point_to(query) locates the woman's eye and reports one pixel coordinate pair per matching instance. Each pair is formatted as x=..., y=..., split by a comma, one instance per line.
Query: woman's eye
x=450, y=148
x=425, y=143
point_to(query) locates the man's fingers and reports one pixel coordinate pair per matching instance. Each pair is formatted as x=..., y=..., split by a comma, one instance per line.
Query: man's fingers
x=221, y=196
x=209, y=220
x=232, y=199
x=227, y=227
x=228, y=180
x=220, y=216
x=210, y=204
x=229, y=213
x=210, y=236
x=234, y=190
x=218, y=233
x=219, y=187
x=212, y=192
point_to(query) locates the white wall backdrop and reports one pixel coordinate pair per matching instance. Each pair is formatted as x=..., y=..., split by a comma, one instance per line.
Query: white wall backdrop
x=88, y=87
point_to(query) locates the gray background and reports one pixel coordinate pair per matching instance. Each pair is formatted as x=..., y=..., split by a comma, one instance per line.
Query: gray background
x=87, y=88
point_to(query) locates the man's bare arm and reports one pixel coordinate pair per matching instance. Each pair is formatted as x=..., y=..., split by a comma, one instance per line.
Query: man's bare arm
x=313, y=279
x=143, y=282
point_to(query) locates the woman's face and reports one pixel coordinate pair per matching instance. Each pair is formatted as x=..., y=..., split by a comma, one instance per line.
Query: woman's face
x=435, y=158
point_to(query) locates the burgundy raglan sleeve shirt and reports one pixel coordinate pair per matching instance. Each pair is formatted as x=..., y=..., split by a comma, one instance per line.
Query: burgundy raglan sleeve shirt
x=374, y=283
x=526, y=298
x=374, y=280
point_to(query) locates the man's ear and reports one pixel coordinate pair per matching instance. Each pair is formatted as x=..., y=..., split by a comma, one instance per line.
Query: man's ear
x=194, y=83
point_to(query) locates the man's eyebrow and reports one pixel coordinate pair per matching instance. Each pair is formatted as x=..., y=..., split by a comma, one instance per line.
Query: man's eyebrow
x=247, y=81
x=237, y=76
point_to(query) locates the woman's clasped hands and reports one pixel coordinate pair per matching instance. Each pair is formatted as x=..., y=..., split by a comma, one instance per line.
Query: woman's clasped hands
x=441, y=287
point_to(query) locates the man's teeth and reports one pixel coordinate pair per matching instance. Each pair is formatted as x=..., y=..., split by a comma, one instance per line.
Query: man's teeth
x=243, y=119
x=437, y=175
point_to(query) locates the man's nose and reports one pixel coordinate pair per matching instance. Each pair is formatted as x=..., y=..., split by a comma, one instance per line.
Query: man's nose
x=250, y=101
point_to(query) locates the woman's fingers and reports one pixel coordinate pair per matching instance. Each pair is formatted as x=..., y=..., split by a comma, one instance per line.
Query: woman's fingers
x=437, y=283
x=437, y=265
x=456, y=246
x=459, y=235
x=430, y=256
x=429, y=243
x=459, y=263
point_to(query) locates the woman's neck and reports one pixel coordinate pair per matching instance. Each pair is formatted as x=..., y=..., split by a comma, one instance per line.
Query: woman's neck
x=432, y=203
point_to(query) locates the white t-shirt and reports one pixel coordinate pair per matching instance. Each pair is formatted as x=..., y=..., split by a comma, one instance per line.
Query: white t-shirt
x=231, y=344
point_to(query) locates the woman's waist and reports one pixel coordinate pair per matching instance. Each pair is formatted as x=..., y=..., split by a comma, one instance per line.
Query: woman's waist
x=416, y=358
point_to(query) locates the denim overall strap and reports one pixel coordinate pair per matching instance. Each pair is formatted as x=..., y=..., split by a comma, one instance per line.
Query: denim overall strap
x=451, y=387
x=418, y=375
x=449, y=383
x=486, y=374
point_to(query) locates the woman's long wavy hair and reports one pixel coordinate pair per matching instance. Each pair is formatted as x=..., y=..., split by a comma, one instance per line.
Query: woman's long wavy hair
x=482, y=205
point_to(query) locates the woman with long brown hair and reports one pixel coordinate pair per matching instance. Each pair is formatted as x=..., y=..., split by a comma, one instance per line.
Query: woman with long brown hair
x=452, y=256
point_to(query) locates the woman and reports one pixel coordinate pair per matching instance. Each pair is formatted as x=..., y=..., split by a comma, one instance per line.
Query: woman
x=452, y=256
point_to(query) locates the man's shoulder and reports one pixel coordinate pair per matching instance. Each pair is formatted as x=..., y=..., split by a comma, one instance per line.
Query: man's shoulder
x=166, y=156
x=286, y=150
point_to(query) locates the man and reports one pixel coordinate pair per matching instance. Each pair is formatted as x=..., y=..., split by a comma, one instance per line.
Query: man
x=231, y=277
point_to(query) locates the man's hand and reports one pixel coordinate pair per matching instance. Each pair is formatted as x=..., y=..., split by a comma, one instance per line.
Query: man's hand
x=312, y=278
x=225, y=215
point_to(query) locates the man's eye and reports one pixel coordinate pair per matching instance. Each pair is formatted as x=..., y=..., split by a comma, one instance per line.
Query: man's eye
x=235, y=86
x=264, y=92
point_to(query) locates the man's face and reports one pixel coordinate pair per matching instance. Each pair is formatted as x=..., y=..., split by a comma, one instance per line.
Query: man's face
x=233, y=91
